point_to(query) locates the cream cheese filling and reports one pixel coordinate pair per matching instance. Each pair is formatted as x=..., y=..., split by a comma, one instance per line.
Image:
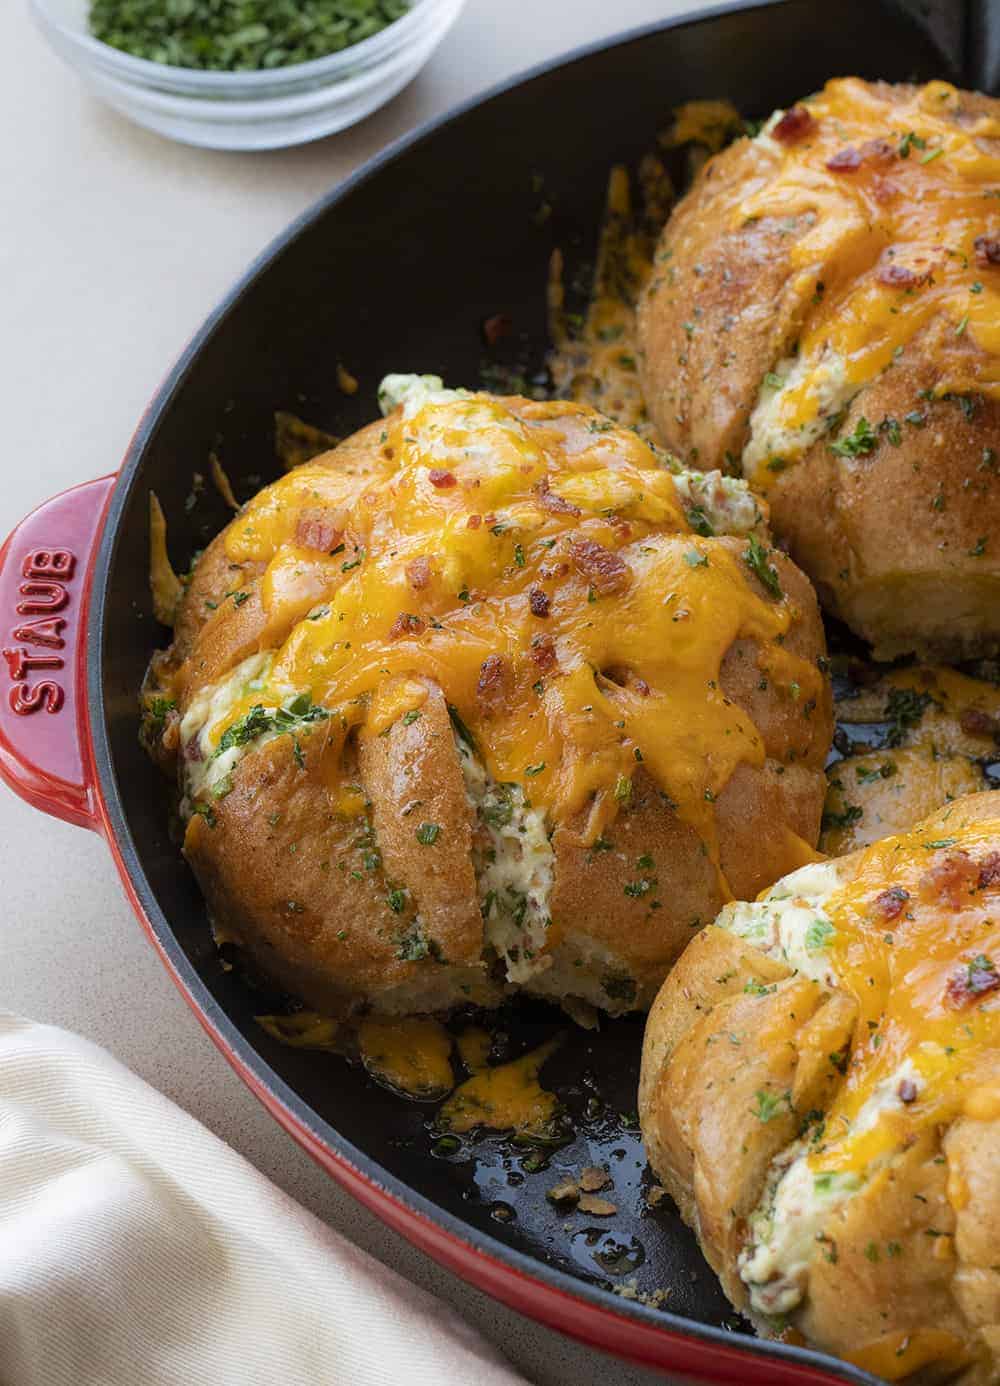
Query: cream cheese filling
x=514, y=865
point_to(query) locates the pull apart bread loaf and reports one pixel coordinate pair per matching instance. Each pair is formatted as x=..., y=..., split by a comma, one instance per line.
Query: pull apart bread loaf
x=820, y=1094
x=824, y=317
x=490, y=697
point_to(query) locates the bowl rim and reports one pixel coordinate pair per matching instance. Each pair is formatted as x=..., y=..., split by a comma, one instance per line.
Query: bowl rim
x=146, y=72
x=616, y=1325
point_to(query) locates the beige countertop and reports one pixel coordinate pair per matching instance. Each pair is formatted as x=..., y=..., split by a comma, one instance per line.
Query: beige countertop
x=114, y=244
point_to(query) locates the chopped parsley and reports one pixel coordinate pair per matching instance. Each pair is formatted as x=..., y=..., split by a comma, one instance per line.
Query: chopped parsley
x=412, y=947
x=428, y=834
x=699, y=521
x=768, y=1105
x=910, y=138
x=755, y=556
x=819, y=934
x=879, y=772
x=904, y=709
x=850, y=814
x=261, y=721
x=623, y=789
x=862, y=441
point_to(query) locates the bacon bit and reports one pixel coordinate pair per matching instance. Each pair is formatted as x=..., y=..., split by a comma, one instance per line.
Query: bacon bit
x=907, y=1090
x=891, y=903
x=951, y=879
x=845, y=160
x=848, y=159
x=316, y=530
x=989, y=871
x=987, y=250
x=543, y=652
x=898, y=276
x=538, y=601
x=878, y=151
x=793, y=125
x=972, y=980
x=405, y=624
x=441, y=479
x=553, y=503
x=494, y=683
x=418, y=572
x=474, y=522
x=193, y=751
x=606, y=571
x=975, y=722
x=497, y=327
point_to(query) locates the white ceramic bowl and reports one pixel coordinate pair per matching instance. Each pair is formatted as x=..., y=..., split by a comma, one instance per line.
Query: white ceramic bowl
x=250, y=110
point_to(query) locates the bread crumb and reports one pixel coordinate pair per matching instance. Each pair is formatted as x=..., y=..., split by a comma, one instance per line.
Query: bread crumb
x=655, y=1195
x=346, y=380
x=568, y=1191
x=594, y=1178
x=653, y=1298
x=596, y=1207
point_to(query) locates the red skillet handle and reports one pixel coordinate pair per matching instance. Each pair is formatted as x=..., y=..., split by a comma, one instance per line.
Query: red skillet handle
x=45, y=568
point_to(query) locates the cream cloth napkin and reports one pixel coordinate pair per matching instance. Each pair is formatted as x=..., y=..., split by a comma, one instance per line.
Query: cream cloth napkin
x=136, y=1249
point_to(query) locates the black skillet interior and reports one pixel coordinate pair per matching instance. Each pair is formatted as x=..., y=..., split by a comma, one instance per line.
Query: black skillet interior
x=397, y=272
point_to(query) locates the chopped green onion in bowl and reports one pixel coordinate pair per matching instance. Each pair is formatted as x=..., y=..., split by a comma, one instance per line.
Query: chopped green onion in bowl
x=238, y=35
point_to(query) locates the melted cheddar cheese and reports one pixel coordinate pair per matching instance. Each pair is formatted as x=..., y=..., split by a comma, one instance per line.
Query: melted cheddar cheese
x=916, y=942
x=538, y=563
x=884, y=201
x=914, y=938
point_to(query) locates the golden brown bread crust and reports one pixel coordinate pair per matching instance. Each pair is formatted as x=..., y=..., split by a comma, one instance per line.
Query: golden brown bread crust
x=304, y=887
x=306, y=891
x=893, y=538
x=904, y=1271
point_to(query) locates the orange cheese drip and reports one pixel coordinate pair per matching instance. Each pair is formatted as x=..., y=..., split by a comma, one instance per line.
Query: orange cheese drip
x=899, y=971
x=443, y=549
x=921, y=212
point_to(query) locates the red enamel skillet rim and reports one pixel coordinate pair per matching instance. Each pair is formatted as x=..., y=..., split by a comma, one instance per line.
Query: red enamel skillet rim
x=53, y=575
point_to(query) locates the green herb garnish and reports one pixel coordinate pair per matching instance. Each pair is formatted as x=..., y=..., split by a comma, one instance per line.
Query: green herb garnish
x=862, y=441
x=755, y=557
x=238, y=35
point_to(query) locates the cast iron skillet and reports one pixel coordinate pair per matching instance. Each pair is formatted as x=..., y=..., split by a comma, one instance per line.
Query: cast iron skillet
x=395, y=270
